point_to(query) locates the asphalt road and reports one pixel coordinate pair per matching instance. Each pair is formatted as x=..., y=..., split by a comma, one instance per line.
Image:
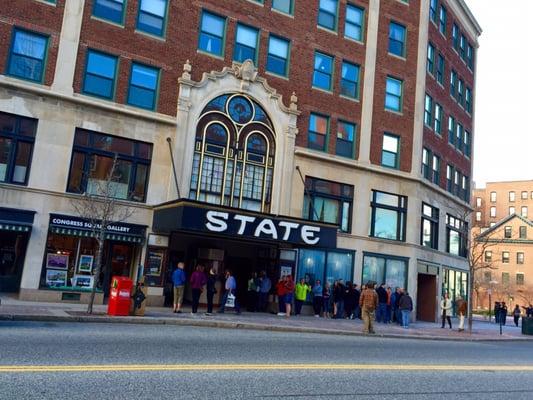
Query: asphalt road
x=114, y=361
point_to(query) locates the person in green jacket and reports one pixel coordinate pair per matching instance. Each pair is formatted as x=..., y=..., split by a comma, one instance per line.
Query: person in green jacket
x=301, y=291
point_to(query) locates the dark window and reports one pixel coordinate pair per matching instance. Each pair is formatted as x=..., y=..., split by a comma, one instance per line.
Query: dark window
x=449, y=178
x=451, y=130
x=468, y=100
x=522, y=232
x=100, y=74
x=433, y=10
x=212, y=32
x=285, y=6
x=455, y=37
x=17, y=136
x=143, y=86
x=278, y=56
x=468, y=144
x=327, y=201
x=442, y=20
x=318, y=132
x=431, y=59
x=428, y=111
x=382, y=268
x=440, y=69
x=397, y=39
x=93, y=157
x=453, y=84
x=111, y=10
x=507, y=231
x=470, y=57
x=426, y=163
x=520, y=275
x=430, y=226
x=505, y=277
x=462, y=47
x=28, y=55
x=350, y=80
x=246, y=43
x=327, y=14
x=345, y=139
x=151, y=18
x=353, y=27
x=437, y=123
x=456, y=236
x=388, y=215
x=436, y=169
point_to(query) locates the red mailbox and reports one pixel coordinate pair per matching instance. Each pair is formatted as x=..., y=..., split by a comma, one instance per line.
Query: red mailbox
x=120, y=296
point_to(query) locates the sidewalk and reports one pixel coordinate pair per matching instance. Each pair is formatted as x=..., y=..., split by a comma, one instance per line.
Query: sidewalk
x=13, y=309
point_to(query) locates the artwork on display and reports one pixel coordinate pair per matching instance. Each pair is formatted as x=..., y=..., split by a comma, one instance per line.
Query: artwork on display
x=84, y=281
x=56, y=261
x=56, y=277
x=86, y=263
x=155, y=263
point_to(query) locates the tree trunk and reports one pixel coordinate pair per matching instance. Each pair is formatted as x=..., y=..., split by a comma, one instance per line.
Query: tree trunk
x=470, y=293
x=98, y=269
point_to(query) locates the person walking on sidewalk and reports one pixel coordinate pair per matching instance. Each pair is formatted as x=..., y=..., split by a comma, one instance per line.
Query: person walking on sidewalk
x=462, y=309
x=406, y=306
x=301, y=291
x=446, y=310
x=516, y=314
x=198, y=281
x=211, y=290
x=178, y=280
x=368, y=302
x=382, y=306
x=289, y=294
x=318, y=298
x=230, y=288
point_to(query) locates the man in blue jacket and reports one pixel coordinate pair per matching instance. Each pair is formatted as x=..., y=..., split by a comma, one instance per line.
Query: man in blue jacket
x=178, y=279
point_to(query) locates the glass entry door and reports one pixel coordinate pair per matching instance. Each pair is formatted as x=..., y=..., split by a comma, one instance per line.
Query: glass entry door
x=12, y=252
x=119, y=259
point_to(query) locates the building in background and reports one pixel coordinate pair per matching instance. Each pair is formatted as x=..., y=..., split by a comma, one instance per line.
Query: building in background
x=502, y=214
x=272, y=122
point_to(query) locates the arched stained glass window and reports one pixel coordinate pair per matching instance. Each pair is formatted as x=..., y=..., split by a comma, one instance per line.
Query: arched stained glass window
x=234, y=154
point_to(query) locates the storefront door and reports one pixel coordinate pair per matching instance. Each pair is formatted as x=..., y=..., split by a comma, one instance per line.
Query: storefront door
x=119, y=259
x=12, y=252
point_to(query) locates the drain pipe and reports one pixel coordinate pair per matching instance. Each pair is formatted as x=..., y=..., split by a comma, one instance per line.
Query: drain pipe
x=169, y=141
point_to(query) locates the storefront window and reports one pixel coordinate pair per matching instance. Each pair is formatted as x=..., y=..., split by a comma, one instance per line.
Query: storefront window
x=455, y=283
x=93, y=157
x=390, y=270
x=328, y=266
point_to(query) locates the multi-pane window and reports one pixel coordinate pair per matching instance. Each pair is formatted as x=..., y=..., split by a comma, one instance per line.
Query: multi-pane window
x=143, y=86
x=111, y=10
x=345, y=143
x=388, y=215
x=453, y=83
x=328, y=14
x=478, y=216
x=507, y=232
x=451, y=130
x=393, y=94
x=246, y=43
x=17, y=136
x=323, y=71
x=329, y=202
x=426, y=161
x=350, y=80
x=493, y=197
x=505, y=259
x=523, y=211
x=440, y=69
x=353, y=27
x=456, y=236
x=436, y=169
x=512, y=196
x=278, y=56
x=397, y=39
x=212, y=33
x=462, y=47
x=433, y=10
x=519, y=259
x=382, y=268
x=520, y=275
x=465, y=186
x=390, y=150
x=449, y=178
x=431, y=58
x=493, y=212
x=459, y=131
x=470, y=56
x=488, y=256
x=478, y=201
x=460, y=91
x=285, y=6
x=512, y=210
x=318, y=132
x=28, y=55
x=505, y=276
x=437, y=123
x=442, y=20
x=523, y=195
x=467, y=143
x=522, y=232
x=108, y=164
x=430, y=226
x=100, y=74
x=152, y=15
x=428, y=110
x=455, y=37
x=468, y=100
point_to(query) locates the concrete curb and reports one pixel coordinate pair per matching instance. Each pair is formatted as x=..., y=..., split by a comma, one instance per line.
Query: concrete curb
x=239, y=325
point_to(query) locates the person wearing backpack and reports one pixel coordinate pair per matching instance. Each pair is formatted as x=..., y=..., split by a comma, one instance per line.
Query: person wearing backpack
x=368, y=302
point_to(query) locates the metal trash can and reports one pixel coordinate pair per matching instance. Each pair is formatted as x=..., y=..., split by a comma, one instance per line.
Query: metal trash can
x=527, y=326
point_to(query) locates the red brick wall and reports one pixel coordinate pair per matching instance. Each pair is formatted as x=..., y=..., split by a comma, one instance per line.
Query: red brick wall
x=405, y=69
x=33, y=16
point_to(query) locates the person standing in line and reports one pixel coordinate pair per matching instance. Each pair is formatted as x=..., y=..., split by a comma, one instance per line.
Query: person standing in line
x=368, y=302
x=388, y=311
x=198, y=281
x=178, y=280
x=446, y=310
x=503, y=313
x=264, y=288
x=382, y=303
x=318, y=298
x=301, y=291
x=230, y=288
x=289, y=294
x=280, y=292
x=462, y=309
x=326, y=296
x=516, y=314
x=394, y=300
x=349, y=300
x=252, y=293
x=338, y=299
x=356, y=297
x=406, y=306
x=211, y=290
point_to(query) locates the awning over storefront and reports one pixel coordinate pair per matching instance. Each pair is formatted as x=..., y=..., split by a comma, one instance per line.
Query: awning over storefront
x=14, y=220
x=192, y=216
x=81, y=227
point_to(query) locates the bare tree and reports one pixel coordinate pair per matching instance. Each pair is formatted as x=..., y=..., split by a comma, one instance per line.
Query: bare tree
x=99, y=205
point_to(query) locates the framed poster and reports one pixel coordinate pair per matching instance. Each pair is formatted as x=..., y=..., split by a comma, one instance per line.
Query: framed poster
x=56, y=278
x=86, y=263
x=84, y=281
x=155, y=263
x=57, y=261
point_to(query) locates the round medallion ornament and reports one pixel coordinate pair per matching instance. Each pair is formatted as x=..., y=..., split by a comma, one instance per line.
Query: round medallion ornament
x=240, y=110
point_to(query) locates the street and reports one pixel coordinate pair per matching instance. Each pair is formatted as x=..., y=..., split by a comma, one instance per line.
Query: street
x=72, y=360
